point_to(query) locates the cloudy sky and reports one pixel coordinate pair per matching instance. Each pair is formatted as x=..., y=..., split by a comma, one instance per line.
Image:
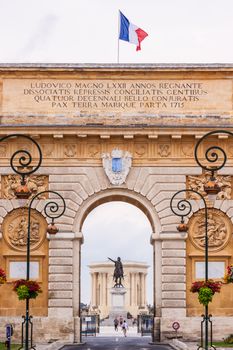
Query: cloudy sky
x=86, y=31
x=115, y=229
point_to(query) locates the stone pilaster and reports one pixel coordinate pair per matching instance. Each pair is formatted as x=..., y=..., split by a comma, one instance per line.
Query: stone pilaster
x=157, y=278
x=173, y=278
x=76, y=286
x=60, y=278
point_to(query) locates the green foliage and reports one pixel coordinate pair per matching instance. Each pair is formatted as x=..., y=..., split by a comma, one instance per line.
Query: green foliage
x=13, y=346
x=221, y=344
x=26, y=289
x=229, y=339
x=23, y=292
x=205, y=295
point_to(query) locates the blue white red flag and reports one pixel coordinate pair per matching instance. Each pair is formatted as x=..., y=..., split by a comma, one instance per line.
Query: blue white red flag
x=130, y=32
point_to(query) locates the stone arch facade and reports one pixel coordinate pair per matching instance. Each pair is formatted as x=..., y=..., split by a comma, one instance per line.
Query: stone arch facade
x=118, y=194
x=161, y=139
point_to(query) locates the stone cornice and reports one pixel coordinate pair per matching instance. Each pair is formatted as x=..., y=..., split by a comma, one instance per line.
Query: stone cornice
x=107, y=131
x=109, y=66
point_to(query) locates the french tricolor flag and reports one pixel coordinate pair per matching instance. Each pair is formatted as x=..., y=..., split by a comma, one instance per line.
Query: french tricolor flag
x=130, y=32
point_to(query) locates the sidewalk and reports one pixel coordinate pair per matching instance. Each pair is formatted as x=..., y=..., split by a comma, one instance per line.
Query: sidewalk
x=180, y=345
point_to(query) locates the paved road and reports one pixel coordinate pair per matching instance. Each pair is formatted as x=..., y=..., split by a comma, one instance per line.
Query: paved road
x=116, y=343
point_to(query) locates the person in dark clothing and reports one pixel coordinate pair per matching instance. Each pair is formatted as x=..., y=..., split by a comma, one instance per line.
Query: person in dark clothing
x=116, y=323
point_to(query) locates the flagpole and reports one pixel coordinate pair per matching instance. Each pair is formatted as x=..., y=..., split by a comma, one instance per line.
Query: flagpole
x=118, y=46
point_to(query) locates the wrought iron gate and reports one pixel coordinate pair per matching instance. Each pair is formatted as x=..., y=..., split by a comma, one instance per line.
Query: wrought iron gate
x=90, y=325
x=145, y=324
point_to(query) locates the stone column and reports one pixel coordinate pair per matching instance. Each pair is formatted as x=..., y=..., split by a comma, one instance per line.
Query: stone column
x=157, y=279
x=94, y=289
x=138, y=289
x=142, y=283
x=76, y=286
x=157, y=283
x=144, y=290
x=131, y=289
x=134, y=287
x=104, y=289
x=98, y=290
x=101, y=290
x=139, y=279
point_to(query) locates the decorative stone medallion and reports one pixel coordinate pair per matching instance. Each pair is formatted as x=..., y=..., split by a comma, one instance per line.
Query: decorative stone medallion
x=15, y=228
x=117, y=165
x=219, y=229
x=35, y=183
x=197, y=183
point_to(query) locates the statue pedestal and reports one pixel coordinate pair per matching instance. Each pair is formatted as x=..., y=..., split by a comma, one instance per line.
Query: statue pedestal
x=118, y=299
x=117, y=307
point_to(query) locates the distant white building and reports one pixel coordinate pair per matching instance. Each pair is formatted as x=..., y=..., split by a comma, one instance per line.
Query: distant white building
x=134, y=282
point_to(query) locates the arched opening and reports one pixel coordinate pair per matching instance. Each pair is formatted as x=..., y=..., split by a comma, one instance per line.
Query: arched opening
x=117, y=225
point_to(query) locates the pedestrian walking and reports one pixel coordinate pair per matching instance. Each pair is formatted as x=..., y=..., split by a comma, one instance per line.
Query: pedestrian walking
x=124, y=328
x=134, y=323
x=116, y=323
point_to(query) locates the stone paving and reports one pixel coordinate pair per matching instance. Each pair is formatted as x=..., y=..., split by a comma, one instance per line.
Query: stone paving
x=116, y=343
x=109, y=339
x=119, y=343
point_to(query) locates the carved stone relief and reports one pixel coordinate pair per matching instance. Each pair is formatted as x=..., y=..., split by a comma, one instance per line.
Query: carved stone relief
x=70, y=150
x=48, y=149
x=35, y=183
x=15, y=226
x=197, y=183
x=219, y=229
x=93, y=150
x=56, y=151
x=117, y=165
x=140, y=149
x=3, y=150
x=187, y=149
x=164, y=150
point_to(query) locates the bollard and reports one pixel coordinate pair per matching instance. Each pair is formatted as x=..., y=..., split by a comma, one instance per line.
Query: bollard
x=9, y=333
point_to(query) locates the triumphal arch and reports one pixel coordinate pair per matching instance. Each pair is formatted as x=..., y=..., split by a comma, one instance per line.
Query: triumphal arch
x=115, y=132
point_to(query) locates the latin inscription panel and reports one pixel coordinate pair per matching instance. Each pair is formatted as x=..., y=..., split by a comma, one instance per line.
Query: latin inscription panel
x=122, y=96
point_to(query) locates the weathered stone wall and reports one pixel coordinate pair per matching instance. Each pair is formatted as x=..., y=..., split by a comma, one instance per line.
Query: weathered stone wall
x=45, y=329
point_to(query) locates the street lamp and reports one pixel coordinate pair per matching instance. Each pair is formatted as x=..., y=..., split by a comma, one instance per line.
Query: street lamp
x=52, y=210
x=215, y=159
x=183, y=208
